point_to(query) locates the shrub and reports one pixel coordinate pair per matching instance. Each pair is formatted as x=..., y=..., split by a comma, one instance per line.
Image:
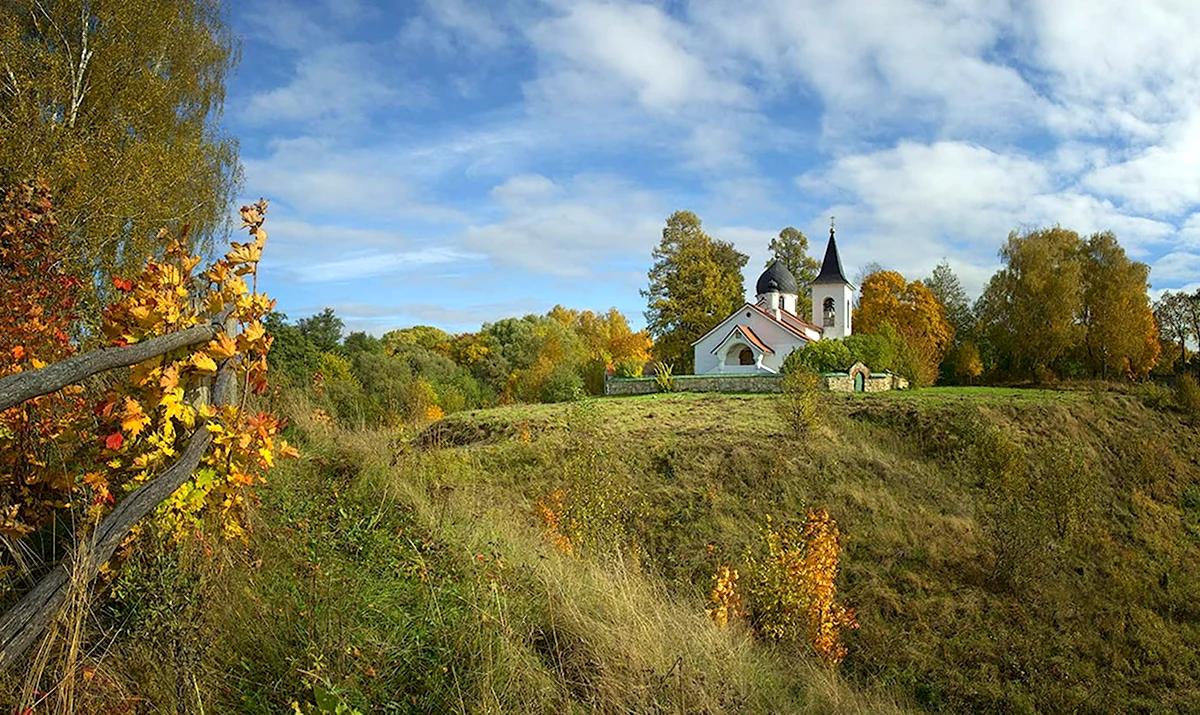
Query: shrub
x=629, y=367
x=821, y=355
x=1155, y=396
x=562, y=385
x=1187, y=396
x=874, y=351
x=663, y=380
x=792, y=586
x=799, y=399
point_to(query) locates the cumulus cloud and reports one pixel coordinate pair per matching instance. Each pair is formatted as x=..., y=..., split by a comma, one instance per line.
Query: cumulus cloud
x=549, y=139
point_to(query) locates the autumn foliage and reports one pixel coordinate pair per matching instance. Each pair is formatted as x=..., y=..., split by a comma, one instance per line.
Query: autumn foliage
x=792, y=591
x=912, y=309
x=77, y=452
x=38, y=299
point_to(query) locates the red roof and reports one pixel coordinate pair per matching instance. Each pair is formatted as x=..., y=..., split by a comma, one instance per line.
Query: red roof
x=750, y=338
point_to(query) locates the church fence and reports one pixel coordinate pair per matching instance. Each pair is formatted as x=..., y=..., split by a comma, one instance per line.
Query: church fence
x=837, y=382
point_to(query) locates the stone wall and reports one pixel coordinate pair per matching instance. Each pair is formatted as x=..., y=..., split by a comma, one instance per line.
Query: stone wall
x=836, y=382
x=694, y=383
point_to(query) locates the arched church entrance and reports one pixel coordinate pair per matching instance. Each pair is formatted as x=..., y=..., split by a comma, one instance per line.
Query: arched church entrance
x=739, y=355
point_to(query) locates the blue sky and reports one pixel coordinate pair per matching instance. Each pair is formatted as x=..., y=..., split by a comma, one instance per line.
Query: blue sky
x=458, y=161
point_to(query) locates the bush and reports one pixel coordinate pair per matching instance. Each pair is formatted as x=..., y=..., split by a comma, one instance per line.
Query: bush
x=1155, y=396
x=791, y=588
x=629, y=367
x=1187, y=396
x=874, y=351
x=820, y=355
x=562, y=385
x=799, y=399
x=663, y=379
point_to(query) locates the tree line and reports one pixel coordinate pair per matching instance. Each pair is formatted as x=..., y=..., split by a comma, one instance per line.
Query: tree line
x=1062, y=305
x=423, y=372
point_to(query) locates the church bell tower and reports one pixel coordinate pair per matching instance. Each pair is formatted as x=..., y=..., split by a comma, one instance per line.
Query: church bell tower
x=832, y=294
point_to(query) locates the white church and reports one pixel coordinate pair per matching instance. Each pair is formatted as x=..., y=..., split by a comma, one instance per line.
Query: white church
x=759, y=336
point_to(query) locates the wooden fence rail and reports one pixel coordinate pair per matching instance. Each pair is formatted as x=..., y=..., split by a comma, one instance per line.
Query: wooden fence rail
x=21, y=386
x=22, y=624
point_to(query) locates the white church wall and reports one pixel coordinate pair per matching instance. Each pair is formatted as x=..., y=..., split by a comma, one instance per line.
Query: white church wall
x=781, y=340
x=843, y=298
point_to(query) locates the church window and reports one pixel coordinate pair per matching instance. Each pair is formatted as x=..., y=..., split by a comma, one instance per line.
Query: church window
x=746, y=357
x=829, y=310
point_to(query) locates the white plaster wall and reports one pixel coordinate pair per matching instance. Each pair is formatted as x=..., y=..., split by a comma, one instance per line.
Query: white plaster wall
x=843, y=298
x=781, y=340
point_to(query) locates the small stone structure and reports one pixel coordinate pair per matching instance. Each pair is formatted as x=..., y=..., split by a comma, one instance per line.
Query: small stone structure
x=857, y=379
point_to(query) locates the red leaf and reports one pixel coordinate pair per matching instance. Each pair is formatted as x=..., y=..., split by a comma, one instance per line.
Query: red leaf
x=123, y=284
x=114, y=441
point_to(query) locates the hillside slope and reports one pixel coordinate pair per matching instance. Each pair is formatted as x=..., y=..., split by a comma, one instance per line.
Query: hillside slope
x=1007, y=551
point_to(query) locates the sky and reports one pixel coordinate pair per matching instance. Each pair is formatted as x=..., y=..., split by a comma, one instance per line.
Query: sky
x=453, y=162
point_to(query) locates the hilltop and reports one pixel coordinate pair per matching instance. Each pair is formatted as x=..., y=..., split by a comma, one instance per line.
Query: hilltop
x=1006, y=551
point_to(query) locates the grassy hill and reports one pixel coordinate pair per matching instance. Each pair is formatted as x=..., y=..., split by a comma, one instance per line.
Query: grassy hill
x=1006, y=550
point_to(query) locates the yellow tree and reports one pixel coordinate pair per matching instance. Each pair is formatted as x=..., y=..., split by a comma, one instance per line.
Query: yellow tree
x=1121, y=337
x=885, y=298
x=116, y=105
x=1031, y=307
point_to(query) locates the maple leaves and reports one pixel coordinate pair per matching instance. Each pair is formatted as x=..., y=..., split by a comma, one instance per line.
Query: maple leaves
x=38, y=300
x=54, y=449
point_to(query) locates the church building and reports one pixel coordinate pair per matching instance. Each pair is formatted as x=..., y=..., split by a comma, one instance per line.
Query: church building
x=757, y=337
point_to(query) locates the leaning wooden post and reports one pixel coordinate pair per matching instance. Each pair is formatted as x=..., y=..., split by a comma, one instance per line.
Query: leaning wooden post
x=22, y=624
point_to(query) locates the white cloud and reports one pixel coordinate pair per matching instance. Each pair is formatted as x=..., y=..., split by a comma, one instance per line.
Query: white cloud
x=889, y=62
x=456, y=26
x=319, y=176
x=380, y=263
x=1161, y=180
x=1117, y=66
x=336, y=84
x=909, y=206
x=1176, y=269
x=600, y=51
x=572, y=228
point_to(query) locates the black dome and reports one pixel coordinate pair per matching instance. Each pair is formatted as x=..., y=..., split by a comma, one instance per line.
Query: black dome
x=776, y=278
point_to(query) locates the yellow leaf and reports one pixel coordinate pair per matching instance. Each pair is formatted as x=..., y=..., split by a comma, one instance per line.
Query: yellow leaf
x=203, y=363
x=133, y=420
x=251, y=335
x=170, y=378
x=222, y=348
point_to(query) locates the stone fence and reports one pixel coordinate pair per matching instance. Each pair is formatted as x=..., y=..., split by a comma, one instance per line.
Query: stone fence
x=834, y=381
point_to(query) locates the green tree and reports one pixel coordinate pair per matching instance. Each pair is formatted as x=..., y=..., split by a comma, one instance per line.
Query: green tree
x=1030, y=309
x=116, y=105
x=945, y=286
x=695, y=282
x=292, y=354
x=425, y=336
x=323, y=330
x=1172, y=312
x=791, y=249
